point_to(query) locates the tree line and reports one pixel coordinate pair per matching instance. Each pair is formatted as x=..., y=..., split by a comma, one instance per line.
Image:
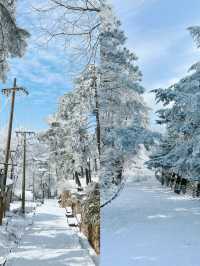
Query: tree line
x=177, y=155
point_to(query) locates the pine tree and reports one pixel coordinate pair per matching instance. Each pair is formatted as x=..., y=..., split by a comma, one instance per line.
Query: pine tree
x=104, y=119
x=179, y=150
x=12, y=38
x=123, y=113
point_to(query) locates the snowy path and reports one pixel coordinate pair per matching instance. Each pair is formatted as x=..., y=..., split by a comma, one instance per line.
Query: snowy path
x=50, y=241
x=151, y=226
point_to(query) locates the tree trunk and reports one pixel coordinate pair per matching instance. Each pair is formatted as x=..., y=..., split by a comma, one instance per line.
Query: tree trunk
x=87, y=176
x=198, y=190
x=89, y=172
x=78, y=182
x=98, y=128
x=1, y=209
x=82, y=172
x=177, y=185
x=95, y=165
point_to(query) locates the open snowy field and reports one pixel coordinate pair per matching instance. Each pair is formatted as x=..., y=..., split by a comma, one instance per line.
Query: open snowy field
x=148, y=225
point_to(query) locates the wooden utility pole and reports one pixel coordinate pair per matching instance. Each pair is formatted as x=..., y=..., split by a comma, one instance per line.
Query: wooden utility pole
x=24, y=134
x=12, y=160
x=7, y=92
x=11, y=176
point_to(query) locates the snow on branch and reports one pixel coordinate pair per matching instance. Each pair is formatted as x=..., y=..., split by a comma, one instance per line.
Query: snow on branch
x=12, y=38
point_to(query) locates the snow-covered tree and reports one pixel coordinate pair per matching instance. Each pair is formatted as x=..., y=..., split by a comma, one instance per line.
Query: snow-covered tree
x=72, y=24
x=123, y=113
x=38, y=168
x=179, y=150
x=12, y=38
x=104, y=119
x=72, y=137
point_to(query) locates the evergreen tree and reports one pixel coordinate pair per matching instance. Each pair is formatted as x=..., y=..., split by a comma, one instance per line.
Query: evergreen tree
x=72, y=138
x=12, y=38
x=123, y=113
x=104, y=119
x=179, y=150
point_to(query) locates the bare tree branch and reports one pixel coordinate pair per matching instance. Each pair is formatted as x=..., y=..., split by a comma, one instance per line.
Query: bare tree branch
x=74, y=23
x=85, y=8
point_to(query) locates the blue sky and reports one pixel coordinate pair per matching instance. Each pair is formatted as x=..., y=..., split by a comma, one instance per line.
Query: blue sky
x=156, y=31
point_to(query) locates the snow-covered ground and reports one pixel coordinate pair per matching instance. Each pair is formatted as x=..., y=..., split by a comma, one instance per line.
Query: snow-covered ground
x=148, y=225
x=13, y=228
x=50, y=241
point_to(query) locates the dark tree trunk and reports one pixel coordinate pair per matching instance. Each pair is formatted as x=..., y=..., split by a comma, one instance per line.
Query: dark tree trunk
x=95, y=165
x=183, y=185
x=82, y=172
x=87, y=176
x=89, y=172
x=98, y=127
x=78, y=182
x=198, y=190
x=172, y=180
x=177, y=185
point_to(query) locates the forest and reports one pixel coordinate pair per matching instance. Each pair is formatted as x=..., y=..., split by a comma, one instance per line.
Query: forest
x=86, y=177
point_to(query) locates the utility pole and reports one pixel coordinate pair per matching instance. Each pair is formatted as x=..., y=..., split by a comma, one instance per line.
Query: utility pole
x=24, y=134
x=33, y=178
x=7, y=92
x=12, y=175
x=12, y=160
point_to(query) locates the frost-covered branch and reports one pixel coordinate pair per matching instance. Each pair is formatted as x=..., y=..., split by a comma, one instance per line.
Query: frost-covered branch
x=76, y=24
x=12, y=38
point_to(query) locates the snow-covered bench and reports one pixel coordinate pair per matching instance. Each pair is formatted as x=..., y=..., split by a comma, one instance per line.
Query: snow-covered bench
x=72, y=221
x=69, y=212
